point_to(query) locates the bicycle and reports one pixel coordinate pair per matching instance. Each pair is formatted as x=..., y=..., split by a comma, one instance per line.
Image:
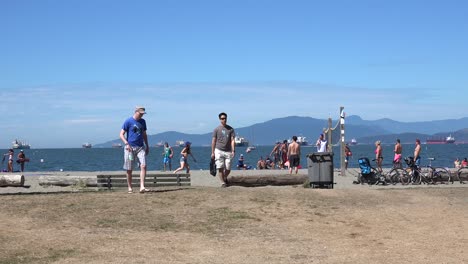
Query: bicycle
x=396, y=175
x=427, y=174
x=461, y=174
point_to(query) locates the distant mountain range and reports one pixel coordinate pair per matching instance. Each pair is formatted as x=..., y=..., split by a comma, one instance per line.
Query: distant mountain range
x=364, y=131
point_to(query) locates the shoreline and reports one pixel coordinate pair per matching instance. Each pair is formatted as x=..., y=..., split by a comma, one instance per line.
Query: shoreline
x=199, y=179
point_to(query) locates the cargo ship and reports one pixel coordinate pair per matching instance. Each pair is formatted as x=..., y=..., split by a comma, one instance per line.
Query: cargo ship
x=18, y=144
x=441, y=140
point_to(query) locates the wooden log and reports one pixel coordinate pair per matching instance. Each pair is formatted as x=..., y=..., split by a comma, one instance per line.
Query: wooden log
x=11, y=180
x=264, y=180
x=58, y=180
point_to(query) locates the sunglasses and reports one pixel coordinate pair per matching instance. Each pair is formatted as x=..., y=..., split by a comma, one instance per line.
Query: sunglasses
x=222, y=118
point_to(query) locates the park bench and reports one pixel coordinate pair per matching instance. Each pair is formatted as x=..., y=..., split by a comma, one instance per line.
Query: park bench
x=109, y=182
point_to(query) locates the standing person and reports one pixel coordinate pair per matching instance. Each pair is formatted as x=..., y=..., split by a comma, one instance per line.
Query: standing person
x=22, y=159
x=276, y=154
x=168, y=154
x=184, y=158
x=284, y=153
x=348, y=153
x=378, y=155
x=397, y=158
x=417, y=153
x=321, y=144
x=294, y=151
x=223, y=148
x=133, y=135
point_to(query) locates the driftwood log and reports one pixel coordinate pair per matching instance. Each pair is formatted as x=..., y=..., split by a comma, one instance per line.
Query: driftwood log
x=264, y=180
x=63, y=181
x=11, y=180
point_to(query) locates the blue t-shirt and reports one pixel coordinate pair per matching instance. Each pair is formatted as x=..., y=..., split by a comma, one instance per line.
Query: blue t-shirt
x=134, y=129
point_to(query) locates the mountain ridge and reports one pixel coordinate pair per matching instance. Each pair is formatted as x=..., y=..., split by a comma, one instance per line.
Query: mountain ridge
x=365, y=131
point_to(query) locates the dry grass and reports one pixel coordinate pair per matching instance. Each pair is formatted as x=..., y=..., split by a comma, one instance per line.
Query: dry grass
x=237, y=225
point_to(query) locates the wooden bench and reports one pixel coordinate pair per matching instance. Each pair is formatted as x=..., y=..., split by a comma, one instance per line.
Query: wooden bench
x=109, y=182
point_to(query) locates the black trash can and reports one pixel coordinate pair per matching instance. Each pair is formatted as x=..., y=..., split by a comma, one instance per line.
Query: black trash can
x=320, y=169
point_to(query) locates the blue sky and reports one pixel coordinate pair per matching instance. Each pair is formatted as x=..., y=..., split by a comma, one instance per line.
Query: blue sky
x=72, y=71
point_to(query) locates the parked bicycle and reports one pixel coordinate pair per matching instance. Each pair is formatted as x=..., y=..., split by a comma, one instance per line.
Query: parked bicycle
x=372, y=176
x=427, y=174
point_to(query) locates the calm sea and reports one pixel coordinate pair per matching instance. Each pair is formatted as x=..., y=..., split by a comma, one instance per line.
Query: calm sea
x=111, y=159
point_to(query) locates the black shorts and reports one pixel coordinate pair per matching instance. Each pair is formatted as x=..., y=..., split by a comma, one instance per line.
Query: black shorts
x=294, y=161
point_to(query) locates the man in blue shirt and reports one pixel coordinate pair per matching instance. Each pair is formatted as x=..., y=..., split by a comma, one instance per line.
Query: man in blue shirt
x=133, y=134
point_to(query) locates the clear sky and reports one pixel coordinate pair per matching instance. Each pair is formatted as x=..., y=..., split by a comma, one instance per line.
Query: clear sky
x=72, y=71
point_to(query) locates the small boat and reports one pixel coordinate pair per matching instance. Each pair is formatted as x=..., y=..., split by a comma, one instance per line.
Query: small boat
x=240, y=141
x=179, y=143
x=250, y=148
x=17, y=144
x=116, y=145
x=87, y=145
x=353, y=142
x=159, y=144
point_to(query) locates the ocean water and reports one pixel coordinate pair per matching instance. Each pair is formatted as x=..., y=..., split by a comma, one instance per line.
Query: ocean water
x=111, y=159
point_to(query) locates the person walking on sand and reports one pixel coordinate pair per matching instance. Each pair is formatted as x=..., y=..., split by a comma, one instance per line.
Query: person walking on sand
x=348, y=153
x=168, y=154
x=133, y=135
x=184, y=158
x=321, y=144
x=378, y=155
x=223, y=148
x=22, y=159
x=10, y=160
x=417, y=153
x=294, y=151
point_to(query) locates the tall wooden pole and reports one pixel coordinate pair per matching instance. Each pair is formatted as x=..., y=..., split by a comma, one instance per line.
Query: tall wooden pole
x=329, y=136
x=342, y=148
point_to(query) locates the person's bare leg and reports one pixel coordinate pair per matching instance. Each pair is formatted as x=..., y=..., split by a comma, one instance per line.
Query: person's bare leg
x=129, y=180
x=226, y=174
x=142, y=177
x=221, y=176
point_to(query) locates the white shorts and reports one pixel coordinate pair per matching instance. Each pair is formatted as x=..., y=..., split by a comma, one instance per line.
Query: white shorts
x=223, y=159
x=139, y=154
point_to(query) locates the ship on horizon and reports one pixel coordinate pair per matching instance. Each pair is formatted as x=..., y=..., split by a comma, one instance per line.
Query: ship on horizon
x=240, y=141
x=87, y=145
x=300, y=140
x=441, y=140
x=18, y=144
x=179, y=143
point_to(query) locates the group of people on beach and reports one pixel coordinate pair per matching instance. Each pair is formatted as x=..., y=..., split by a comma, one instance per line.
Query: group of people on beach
x=285, y=156
x=398, y=150
x=223, y=149
x=460, y=164
x=21, y=160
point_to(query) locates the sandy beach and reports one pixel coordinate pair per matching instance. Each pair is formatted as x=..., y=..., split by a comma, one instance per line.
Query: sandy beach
x=207, y=224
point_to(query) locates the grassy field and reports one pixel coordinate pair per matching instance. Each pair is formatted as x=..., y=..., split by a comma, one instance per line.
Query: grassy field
x=237, y=225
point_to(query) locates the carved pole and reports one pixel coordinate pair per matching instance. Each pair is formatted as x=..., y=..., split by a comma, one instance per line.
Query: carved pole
x=342, y=145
